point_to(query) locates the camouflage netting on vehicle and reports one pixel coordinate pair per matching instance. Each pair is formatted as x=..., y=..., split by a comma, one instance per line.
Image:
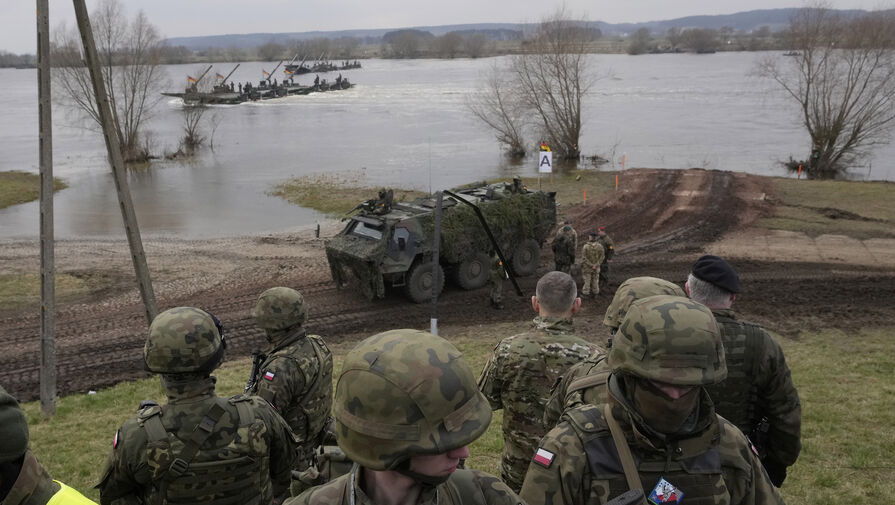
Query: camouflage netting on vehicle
x=512, y=219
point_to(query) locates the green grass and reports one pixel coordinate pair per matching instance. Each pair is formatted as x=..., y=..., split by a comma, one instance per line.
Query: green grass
x=810, y=206
x=330, y=194
x=21, y=187
x=844, y=379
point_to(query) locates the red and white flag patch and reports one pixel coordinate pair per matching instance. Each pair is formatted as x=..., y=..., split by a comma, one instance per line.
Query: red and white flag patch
x=115, y=440
x=268, y=376
x=544, y=457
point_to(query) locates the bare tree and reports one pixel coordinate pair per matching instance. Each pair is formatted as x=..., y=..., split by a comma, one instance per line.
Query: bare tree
x=701, y=40
x=475, y=45
x=447, y=45
x=500, y=106
x=554, y=77
x=130, y=54
x=843, y=79
x=271, y=50
x=639, y=42
x=192, y=127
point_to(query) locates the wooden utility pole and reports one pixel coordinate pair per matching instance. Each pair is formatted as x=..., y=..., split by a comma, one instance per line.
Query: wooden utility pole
x=47, y=258
x=119, y=171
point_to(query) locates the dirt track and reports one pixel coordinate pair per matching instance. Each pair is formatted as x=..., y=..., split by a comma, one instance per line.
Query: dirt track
x=661, y=221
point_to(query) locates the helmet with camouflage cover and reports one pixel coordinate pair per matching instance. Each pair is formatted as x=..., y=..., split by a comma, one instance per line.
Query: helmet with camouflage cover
x=634, y=289
x=183, y=340
x=280, y=308
x=404, y=393
x=669, y=339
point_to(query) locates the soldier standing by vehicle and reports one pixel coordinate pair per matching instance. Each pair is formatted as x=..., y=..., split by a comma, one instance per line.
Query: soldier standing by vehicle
x=406, y=407
x=585, y=382
x=608, y=253
x=592, y=255
x=564, y=249
x=498, y=274
x=523, y=368
x=197, y=448
x=659, y=435
x=23, y=480
x=295, y=374
x=758, y=395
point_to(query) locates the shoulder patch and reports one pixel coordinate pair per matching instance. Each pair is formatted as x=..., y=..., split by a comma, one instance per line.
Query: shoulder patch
x=268, y=376
x=544, y=457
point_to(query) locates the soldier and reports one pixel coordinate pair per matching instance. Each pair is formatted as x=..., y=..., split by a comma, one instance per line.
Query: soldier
x=609, y=252
x=592, y=255
x=523, y=367
x=758, y=395
x=659, y=435
x=498, y=274
x=198, y=447
x=564, y=249
x=585, y=382
x=23, y=480
x=296, y=372
x=406, y=407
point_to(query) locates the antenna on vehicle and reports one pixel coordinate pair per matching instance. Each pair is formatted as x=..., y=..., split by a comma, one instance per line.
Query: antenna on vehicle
x=430, y=165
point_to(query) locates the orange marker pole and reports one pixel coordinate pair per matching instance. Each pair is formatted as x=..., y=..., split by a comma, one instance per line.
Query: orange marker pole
x=624, y=159
x=800, y=172
x=584, y=195
x=616, y=182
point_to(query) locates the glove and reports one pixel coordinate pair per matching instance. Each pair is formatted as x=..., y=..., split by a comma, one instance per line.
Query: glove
x=776, y=470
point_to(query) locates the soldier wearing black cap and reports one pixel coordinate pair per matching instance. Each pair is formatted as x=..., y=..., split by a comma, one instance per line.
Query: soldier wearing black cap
x=758, y=395
x=23, y=480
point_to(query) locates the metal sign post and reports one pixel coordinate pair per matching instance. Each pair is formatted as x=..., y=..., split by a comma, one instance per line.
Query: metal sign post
x=436, y=251
x=118, y=169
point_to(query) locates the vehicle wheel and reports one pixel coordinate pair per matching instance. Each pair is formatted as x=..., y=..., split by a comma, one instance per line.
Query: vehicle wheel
x=474, y=272
x=421, y=281
x=526, y=258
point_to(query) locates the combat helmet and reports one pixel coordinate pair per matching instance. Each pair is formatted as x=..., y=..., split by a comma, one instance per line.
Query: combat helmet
x=280, y=308
x=404, y=393
x=669, y=339
x=635, y=289
x=183, y=340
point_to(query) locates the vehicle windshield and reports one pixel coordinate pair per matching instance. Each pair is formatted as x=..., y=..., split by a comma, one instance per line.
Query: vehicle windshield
x=364, y=230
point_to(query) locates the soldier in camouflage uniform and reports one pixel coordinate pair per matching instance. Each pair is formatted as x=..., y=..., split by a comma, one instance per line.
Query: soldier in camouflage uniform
x=198, y=447
x=406, y=407
x=592, y=255
x=758, y=395
x=585, y=383
x=523, y=368
x=23, y=480
x=659, y=434
x=608, y=253
x=498, y=274
x=564, y=249
x=296, y=371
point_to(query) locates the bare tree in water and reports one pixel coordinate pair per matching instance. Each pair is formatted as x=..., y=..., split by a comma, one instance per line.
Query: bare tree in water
x=552, y=76
x=843, y=79
x=499, y=105
x=130, y=53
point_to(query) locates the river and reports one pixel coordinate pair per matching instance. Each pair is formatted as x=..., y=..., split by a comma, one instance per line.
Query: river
x=405, y=124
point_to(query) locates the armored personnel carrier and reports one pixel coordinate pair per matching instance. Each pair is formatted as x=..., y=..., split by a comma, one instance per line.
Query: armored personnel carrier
x=391, y=244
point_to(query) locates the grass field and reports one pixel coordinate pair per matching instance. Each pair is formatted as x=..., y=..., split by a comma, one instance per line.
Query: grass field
x=844, y=379
x=19, y=187
x=857, y=209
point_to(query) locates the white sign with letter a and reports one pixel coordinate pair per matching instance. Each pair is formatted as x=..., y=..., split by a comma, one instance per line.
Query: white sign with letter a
x=545, y=162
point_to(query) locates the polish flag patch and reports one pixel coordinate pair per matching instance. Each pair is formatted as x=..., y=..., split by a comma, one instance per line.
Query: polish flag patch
x=544, y=457
x=268, y=376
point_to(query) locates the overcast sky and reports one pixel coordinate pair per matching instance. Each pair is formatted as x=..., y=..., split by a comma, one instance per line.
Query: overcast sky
x=179, y=18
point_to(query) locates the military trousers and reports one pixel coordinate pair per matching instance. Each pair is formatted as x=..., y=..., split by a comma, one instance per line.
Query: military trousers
x=591, y=281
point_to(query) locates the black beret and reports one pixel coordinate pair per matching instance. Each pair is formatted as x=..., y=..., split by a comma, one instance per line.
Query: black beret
x=717, y=272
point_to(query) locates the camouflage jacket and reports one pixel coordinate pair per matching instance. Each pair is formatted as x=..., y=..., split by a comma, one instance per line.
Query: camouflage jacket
x=591, y=254
x=608, y=247
x=464, y=487
x=578, y=463
x=135, y=470
x=758, y=385
x=297, y=379
x=564, y=247
x=583, y=384
x=518, y=378
x=34, y=486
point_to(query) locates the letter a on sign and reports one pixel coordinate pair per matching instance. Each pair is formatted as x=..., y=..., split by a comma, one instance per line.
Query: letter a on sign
x=545, y=162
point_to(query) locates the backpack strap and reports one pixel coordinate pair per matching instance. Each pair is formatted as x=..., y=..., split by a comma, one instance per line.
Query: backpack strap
x=151, y=421
x=246, y=415
x=624, y=452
